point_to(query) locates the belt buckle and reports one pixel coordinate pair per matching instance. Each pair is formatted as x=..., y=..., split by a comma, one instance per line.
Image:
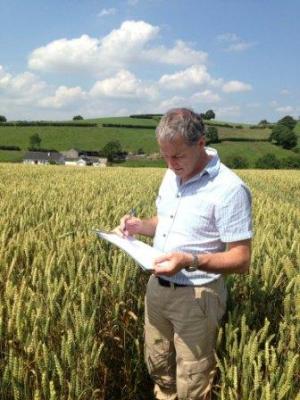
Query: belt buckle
x=173, y=285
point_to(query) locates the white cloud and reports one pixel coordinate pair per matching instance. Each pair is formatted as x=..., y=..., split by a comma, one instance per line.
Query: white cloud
x=285, y=92
x=236, y=86
x=132, y=2
x=233, y=43
x=228, y=37
x=115, y=50
x=123, y=47
x=194, y=75
x=173, y=102
x=22, y=85
x=206, y=97
x=196, y=101
x=286, y=110
x=181, y=54
x=123, y=85
x=65, y=55
x=63, y=97
x=106, y=12
x=227, y=112
x=116, y=72
x=241, y=46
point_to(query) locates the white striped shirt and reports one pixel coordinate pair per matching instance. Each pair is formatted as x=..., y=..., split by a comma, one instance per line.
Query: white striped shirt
x=201, y=215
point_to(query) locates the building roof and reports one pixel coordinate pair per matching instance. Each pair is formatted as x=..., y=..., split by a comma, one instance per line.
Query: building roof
x=43, y=156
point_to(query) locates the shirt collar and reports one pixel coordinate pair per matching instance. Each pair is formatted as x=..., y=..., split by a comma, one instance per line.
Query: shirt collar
x=213, y=166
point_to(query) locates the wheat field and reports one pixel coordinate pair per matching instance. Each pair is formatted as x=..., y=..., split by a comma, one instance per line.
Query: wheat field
x=71, y=309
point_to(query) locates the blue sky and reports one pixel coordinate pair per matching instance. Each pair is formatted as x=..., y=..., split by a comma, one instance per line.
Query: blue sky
x=110, y=58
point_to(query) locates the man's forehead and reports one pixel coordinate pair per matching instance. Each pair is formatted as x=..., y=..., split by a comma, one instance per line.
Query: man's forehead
x=174, y=141
x=172, y=148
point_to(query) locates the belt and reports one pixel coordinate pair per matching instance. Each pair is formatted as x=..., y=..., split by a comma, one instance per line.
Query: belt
x=165, y=283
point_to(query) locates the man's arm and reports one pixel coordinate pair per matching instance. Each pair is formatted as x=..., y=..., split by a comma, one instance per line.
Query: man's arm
x=235, y=260
x=135, y=226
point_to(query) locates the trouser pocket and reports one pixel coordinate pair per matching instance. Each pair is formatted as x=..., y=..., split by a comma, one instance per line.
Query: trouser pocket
x=195, y=379
x=160, y=361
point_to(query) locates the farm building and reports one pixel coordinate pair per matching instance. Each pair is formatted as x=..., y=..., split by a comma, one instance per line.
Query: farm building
x=42, y=157
x=84, y=161
x=71, y=157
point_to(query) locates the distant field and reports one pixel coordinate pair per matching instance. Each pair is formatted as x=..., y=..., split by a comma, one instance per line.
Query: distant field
x=297, y=131
x=64, y=138
x=94, y=138
x=245, y=133
x=125, y=120
x=11, y=156
x=251, y=150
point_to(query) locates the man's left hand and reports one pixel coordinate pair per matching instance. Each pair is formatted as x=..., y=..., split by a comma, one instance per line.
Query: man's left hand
x=170, y=263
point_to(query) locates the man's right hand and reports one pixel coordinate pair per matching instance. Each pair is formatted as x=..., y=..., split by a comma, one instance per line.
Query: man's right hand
x=129, y=226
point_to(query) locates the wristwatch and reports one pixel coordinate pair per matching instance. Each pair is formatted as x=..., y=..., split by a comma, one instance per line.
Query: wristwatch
x=194, y=264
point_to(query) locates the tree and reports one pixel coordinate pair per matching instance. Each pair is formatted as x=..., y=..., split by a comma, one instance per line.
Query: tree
x=283, y=136
x=277, y=132
x=209, y=115
x=35, y=141
x=77, y=118
x=111, y=149
x=212, y=135
x=288, y=121
x=263, y=122
x=2, y=118
x=140, y=151
x=289, y=140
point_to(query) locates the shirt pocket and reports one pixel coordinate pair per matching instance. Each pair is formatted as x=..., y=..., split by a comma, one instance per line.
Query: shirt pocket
x=195, y=216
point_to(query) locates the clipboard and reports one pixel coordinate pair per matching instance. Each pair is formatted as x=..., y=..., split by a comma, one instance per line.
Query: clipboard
x=141, y=252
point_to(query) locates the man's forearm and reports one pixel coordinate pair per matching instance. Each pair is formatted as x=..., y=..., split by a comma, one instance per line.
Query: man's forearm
x=222, y=263
x=149, y=226
x=235, y=260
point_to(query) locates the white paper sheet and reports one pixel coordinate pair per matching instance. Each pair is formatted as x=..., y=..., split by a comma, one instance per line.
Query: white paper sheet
x=141, y=252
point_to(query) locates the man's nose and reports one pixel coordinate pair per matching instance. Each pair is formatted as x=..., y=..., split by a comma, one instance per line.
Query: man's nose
x=172, y=163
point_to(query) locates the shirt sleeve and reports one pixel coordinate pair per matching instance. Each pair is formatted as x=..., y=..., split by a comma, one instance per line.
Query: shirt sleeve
x=234, y=215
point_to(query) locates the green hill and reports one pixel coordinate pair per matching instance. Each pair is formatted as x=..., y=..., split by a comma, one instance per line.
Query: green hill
x=141, y=134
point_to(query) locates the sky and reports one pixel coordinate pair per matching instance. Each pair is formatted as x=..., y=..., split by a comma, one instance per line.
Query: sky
x=98, y=58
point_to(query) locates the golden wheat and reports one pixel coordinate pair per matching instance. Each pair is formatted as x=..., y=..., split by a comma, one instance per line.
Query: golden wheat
x=71, y=310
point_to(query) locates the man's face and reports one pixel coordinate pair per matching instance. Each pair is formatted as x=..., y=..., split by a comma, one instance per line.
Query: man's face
x=184, y=160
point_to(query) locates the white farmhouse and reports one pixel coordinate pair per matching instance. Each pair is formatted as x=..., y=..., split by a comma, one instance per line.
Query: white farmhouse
x=42, y=157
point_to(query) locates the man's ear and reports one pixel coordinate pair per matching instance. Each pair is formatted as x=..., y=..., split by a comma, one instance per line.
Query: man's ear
x=201, y=141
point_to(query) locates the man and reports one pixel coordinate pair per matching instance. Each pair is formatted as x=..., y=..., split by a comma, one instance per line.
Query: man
x=203, y=226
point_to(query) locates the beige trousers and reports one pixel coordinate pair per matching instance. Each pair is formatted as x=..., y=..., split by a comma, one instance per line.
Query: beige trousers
x=180, y=335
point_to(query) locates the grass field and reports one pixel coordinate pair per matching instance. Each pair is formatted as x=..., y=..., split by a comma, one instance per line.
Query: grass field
x=94, y=138
x=11, y=156
x=72, y=306
x=250, y=151
x=65, y=138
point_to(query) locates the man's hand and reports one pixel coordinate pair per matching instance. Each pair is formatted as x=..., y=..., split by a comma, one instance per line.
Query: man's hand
x=129, y=226
x=170, y=263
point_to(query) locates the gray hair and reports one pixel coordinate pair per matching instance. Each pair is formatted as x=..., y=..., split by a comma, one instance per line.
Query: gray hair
x=183, y=122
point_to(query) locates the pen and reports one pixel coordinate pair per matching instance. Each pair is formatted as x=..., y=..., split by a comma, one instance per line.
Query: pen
x=132, y=212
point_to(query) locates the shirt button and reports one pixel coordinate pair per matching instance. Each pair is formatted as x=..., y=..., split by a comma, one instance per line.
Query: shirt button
x=164, y=235
x=171, y=216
